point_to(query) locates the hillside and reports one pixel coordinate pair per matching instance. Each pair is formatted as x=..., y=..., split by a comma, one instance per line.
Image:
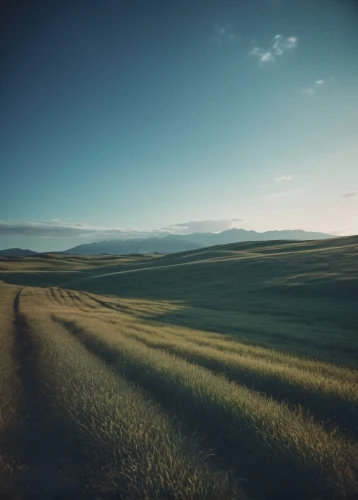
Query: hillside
x=223, y=288
x=228, y=372
x=16, y=252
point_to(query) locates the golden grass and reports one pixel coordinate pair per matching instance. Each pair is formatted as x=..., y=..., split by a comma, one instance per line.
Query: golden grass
x=130, y=446
x=141, y=312
x=151, y=316
x=328, y=397
x=266, y=432
x=252, y=347
x=12, y=416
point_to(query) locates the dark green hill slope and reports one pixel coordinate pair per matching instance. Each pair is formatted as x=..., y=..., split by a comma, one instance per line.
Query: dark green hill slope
x=287, y=295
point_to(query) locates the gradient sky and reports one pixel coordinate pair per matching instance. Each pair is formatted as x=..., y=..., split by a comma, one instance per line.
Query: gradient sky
x=146, y=114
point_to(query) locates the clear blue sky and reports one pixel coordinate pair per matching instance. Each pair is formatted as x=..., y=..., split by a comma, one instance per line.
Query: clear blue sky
x=124, y=115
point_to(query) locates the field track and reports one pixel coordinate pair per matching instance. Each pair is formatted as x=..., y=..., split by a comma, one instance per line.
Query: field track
x=53, y=457
x=40, y=440
x=12, y=411
x=258, y=412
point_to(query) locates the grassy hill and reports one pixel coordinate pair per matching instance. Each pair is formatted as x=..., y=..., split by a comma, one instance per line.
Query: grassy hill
x=16, y=252
x=299, y=294
x=230, y=370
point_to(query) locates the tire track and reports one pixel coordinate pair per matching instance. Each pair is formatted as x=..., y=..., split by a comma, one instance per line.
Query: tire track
x=103, y=303
x=78, y=304
x=211, y=442
x=85, y=305
x=40, y=442
x=13, y=470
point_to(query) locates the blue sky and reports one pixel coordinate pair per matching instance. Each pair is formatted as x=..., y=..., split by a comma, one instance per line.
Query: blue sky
x=133, y=118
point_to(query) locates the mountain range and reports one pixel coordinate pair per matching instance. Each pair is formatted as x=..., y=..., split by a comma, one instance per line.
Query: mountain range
x=172, y=243
x=177, y=243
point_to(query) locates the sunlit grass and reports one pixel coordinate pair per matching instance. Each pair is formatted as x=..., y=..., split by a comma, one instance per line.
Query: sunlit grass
x=328, y=397
x=251, y=348
x=129, y=446
x=269, y=435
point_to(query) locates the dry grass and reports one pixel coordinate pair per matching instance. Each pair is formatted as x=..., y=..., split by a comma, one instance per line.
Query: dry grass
x=270, y=436
x=129, y=447
x=331, y=398
x=12, y=416
x=251, y=348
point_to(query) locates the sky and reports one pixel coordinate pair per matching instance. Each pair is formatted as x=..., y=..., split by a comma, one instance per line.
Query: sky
x=133, y=118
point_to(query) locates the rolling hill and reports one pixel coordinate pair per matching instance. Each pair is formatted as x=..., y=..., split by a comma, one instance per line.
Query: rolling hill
x=108, y=363
x=16, y=252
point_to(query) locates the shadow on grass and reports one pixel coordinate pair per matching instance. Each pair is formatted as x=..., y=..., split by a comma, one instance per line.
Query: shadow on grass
x=312, y=286
x=256, y=472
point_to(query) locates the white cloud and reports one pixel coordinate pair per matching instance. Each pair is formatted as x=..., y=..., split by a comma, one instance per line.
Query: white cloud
x=223, y=33
x=278, y=47
x=262, y=55
x=56, y=228
x=281, y=44
x=203, y=226
x=349, y=194
x=283, y=178
x=267, y=56
x=311, y=90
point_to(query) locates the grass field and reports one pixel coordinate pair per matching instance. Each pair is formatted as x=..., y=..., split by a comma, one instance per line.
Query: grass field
x=228, y=372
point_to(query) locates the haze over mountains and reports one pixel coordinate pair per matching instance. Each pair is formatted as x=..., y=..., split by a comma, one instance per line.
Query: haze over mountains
x=176, y=242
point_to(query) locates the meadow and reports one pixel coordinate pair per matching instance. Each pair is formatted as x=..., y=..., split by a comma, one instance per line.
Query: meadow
x=224, y=373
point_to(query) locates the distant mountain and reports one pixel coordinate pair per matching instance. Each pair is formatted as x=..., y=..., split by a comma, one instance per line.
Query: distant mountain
x=16, y=252
x=172, y=243
x=167, y=244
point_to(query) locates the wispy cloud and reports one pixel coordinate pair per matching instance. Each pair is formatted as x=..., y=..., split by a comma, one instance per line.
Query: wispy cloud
x=223, y=33
x=262, y=55
x=283, y=178
x=283, y=194
x=203, y=226
x=349, y=194
x=313, y=88
x=267, y=57
x=278, y=47
x=60, y=229
x=281, y=44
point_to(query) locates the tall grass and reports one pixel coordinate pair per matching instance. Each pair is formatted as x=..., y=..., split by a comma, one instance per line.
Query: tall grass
x=12, y=416
x=279, y=446
x=224, y=341
x=249, y=331
x=129, y=447
x=330, y=392
x=332, y=399
x=233, y=345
